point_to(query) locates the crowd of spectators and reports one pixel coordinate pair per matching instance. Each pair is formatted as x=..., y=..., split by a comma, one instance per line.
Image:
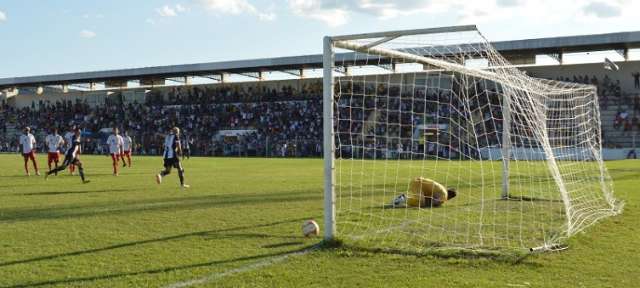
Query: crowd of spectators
x=373, y=120
x=383, y=121
x=626, y=121
x=264, y=124
x=609, y=91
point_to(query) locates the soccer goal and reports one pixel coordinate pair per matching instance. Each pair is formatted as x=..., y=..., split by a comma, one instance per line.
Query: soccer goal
x=442, y=106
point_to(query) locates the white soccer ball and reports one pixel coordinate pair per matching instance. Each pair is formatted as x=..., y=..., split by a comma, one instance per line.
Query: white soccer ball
x=310, y=228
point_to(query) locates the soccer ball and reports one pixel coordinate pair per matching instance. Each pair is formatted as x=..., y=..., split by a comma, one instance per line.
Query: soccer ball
x=399, y=201
x=310, y=228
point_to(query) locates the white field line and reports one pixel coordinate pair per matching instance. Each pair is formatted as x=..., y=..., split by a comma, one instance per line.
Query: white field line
x=253, y=266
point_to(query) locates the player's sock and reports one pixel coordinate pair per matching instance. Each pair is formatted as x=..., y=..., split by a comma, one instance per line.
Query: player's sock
x=81, y=172
x=181, y=176
x=55, y=171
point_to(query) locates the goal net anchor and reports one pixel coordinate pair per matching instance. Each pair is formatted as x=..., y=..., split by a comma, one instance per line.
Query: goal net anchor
x=548, y=248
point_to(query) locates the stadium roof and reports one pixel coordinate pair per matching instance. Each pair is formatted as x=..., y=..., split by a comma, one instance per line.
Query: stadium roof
x=555, y=45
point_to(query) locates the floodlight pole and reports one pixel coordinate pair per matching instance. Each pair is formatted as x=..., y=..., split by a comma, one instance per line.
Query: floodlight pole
x=328, y=62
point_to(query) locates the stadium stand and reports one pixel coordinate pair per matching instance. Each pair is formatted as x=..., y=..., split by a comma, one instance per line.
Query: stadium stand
x=257, y=124
x=249, y=120
x=284, y=117
x=254, y=120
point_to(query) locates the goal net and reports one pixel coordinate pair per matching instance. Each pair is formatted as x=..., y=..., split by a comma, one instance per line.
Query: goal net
x=522, y=155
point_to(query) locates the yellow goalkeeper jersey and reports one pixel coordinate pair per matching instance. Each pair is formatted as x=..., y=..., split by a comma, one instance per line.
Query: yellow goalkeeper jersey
x=423, y=190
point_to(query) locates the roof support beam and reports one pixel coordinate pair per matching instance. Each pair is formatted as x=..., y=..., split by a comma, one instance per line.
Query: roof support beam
x=256, y=75
x=342, y=70
x=181, y=80
x=184, y=80
x=558, y=57
x=79, y=86
x=215, y=77
x=624, y=53
x=390, y=67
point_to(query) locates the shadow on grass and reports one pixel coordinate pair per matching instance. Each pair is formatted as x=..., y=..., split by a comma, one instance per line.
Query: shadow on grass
x=123, y=173
x=251, y=235
x=455, y=204
x=20, y=176
x=530, y=199
x=207, y=233
x=72, y=192
x=283, y=244
x=156, y=271
x=166, y=204
x=453, y=255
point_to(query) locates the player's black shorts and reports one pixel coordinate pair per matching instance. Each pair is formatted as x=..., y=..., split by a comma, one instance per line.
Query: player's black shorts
x=172, y=162
x=70, y=159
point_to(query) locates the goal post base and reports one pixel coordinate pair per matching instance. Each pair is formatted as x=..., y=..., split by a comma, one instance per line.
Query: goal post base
x=528, y=199
x=331, y=243
x=548, y=248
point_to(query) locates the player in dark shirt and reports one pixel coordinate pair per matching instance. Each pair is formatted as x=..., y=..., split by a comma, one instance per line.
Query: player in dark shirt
x=71, y=157
x=171, y=156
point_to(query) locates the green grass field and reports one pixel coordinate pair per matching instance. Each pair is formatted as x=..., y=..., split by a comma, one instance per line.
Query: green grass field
x=239, y=226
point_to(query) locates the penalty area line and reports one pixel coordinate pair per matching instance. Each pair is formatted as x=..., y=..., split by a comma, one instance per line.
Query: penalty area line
x=253, y=266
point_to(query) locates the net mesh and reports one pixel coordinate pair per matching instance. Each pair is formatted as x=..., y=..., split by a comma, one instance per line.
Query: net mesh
x=446, y=107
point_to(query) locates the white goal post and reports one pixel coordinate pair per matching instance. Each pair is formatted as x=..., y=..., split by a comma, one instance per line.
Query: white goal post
x=443, y=104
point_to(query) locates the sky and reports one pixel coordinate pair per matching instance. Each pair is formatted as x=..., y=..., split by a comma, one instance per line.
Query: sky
x=51, y=37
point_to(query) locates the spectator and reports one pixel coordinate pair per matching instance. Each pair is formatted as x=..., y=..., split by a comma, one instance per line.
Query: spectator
x=636, y=80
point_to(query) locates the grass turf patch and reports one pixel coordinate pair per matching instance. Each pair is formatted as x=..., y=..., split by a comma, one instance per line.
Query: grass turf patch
x=127, y=231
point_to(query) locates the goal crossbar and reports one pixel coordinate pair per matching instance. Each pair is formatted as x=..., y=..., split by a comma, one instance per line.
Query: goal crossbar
x=397, y=33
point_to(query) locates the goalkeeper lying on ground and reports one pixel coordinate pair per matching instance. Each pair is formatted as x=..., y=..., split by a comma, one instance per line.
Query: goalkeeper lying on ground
x=424, y=192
